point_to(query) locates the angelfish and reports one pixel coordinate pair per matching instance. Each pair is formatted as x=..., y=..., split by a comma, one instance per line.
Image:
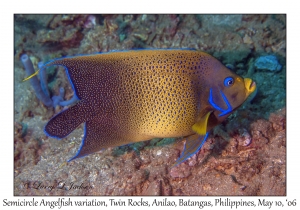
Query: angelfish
x=138, y=95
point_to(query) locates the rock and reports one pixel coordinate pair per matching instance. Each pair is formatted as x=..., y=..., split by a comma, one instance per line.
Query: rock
x=268, y=62
x=154, y=188
x=221, y=20
x=181, y=171
x=247, y=39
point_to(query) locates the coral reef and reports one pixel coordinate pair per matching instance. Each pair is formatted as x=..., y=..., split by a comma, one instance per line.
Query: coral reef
x=245, y=155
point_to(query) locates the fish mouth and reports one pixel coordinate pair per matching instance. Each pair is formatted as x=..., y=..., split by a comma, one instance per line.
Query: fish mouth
x=250, y=86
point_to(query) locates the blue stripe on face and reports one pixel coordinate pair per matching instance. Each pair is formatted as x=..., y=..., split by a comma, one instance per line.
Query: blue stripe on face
x=223, y=111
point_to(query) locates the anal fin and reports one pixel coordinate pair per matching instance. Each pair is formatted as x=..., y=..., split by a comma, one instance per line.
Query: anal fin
x=192, y=145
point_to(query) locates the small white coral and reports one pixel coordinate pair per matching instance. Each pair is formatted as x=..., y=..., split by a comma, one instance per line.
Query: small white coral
x=90, y=22
x=244, y=138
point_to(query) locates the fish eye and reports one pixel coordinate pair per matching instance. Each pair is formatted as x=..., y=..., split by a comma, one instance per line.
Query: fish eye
x=228, y=81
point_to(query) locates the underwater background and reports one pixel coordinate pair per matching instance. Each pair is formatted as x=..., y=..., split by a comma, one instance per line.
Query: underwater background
x=245, y=155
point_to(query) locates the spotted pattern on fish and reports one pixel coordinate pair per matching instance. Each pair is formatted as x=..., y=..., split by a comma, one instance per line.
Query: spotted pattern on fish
x=143, y=94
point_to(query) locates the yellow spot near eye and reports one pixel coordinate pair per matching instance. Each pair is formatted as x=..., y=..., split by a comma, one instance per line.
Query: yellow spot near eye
x=238, y=79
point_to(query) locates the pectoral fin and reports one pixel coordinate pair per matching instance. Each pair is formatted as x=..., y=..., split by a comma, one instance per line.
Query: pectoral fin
x=200, y=127
x=192, y=145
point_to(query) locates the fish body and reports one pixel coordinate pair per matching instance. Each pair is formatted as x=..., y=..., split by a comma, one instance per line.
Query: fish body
x=138, y=95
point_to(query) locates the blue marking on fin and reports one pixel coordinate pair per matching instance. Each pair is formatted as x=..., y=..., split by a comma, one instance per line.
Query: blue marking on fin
x=67, y=71
x=47, y=134
x=81, y=145
x=224, y=111
x=48, y=64
x=191, y=147
x=72, y=85
x=113, y=51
